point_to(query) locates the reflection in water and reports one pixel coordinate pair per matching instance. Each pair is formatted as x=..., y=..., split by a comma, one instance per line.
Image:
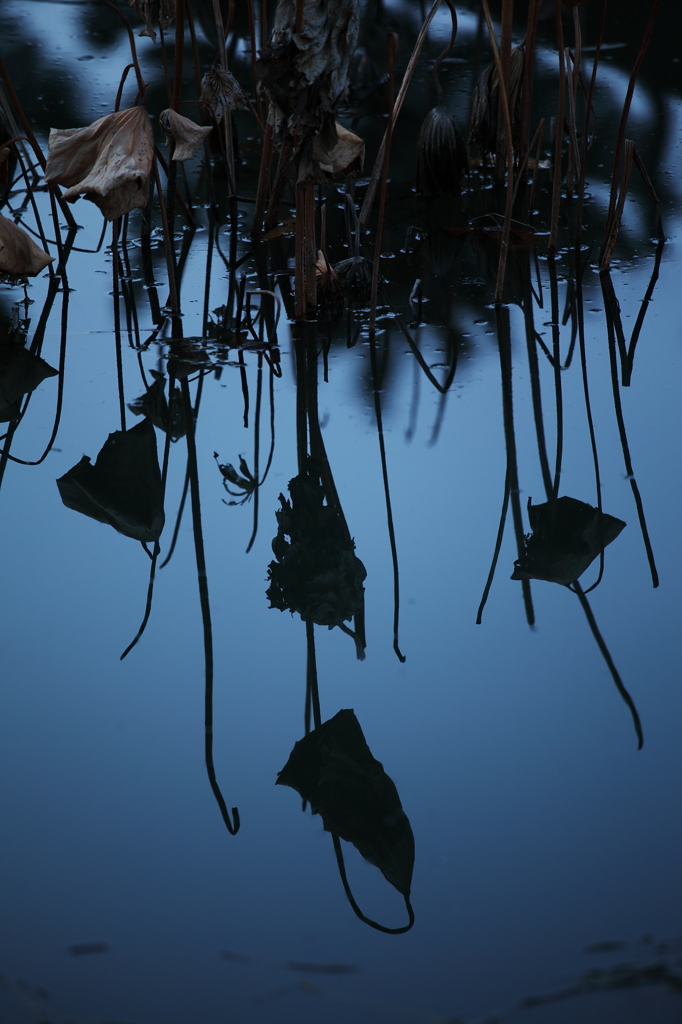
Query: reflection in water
x=333, y=769
x=436, y=265
x=124, y=487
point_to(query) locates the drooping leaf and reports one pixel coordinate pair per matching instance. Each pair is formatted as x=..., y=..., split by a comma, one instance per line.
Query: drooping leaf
x=334, y=770
x=20, y=372
x=567, y=536
x=109, y=162
x=19, y=254
x=317, y=572
x=187, y=136
x=222, y=93
x=306, y=73
x=123, y=488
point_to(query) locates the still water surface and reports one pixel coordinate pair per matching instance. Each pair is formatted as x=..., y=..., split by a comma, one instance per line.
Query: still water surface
x=539, y=827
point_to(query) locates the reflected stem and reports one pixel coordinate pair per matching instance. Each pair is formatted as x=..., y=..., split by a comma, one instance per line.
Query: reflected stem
x=496, y=552
x=231, y=825
x=387, y=495
x=626, y=453
x=351, y=899
x=592, y=622
x=504, y=347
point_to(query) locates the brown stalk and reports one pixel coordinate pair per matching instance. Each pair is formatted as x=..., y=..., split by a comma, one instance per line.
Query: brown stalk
x=621, y=129
x=613, y=224
x=505, y=55
x=227, y=117
x=506, y=228
x=572, y=72
x=252, y=30
x=370, y=194
x=178, y=54
x=586, y=130
x=559, y=136
x=264, y=178
x=527, y=84
x=388, y=138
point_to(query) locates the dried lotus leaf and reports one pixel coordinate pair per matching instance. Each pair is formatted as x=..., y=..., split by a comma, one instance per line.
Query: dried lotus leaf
x=187, y=136
x=109, y=162
x=222, y=93
x=18, y=252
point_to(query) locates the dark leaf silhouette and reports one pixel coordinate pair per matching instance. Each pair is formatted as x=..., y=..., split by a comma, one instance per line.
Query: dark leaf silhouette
x=153, y=404
x=485, y=103
x=123, y=488
x=334, y=770
x=567, y=536
x=317, y=573
x=20, y=372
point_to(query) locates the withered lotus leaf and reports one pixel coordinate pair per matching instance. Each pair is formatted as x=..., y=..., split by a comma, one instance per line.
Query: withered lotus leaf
x=306, y=74
x=334, y=770
x=145, y=8
x=187, y=136
x=20, y=372
x=442, y=157
x=567, y=536
x=123, y=488
x=109, y=162
x=485, y=103
x=18, y=252
x=222, y=93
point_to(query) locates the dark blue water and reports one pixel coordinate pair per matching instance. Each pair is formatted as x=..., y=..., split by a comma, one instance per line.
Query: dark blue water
x=539, y=827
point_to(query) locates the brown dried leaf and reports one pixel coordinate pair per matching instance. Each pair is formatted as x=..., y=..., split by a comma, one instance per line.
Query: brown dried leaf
x=222, y=93
x=18, y=252
x=485, y=100
x=109, y=162
x=188, y=136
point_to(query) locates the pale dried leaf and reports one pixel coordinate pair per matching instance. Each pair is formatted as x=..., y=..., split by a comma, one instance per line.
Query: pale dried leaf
x=18, y=252
x=222, y=93
x=187, y=136
x=109, y=162
x=338, y=158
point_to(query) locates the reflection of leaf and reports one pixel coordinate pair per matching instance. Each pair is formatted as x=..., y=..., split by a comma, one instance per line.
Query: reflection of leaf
x=20, y=372
x=123, y=488
x=154, y=405
x=18, y=252
x=567, y=536
x=109, y=161
x=333, y=769
x=317, y=573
